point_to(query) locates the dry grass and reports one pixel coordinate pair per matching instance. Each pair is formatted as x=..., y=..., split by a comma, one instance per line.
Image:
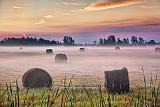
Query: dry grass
x=68, y=94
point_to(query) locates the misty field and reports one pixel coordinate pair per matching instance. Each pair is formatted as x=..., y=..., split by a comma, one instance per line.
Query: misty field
x=80, y=81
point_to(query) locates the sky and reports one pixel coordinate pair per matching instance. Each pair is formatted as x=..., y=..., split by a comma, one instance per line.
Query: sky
x=84, y=19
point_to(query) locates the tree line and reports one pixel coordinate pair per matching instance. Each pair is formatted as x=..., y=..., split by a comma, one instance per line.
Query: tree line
x=111, y=40
x=27, y=41
x=69, y=41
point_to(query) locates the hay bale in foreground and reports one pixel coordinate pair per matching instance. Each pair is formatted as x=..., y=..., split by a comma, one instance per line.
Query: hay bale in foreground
x=157, y=49
x=117, y=81
x=61, y=58
x=117, y=48
x=81, y=49
x=49, y=51
x=36, y=78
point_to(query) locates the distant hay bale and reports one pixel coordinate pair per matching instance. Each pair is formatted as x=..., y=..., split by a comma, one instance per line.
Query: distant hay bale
x=61, y=58
x=157, y=49
x=81, y=49
x=117, y=81
x=36, y=78
x=117, y=48
x=49, y=51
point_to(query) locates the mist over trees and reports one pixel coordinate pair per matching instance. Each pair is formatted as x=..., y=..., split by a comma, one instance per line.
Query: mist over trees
x=69, y=41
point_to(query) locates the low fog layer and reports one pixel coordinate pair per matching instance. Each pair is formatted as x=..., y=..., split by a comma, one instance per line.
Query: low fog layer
x=90, y=63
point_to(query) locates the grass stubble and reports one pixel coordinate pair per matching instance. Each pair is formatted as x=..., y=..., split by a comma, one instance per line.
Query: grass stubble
x=69, y=94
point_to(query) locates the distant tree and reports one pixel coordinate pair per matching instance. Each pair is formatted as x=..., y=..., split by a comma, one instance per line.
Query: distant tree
x=95, y=42
x=68, y=40
x=119, y=41
x=65, y=40
x=126, y=41
x=101, y=41
x=104, y=41
x=141, y=41
x=134, y=40
x=152, y=42
x=111, y=40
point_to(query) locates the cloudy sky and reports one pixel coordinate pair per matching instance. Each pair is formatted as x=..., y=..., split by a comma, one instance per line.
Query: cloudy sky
x=82, y=18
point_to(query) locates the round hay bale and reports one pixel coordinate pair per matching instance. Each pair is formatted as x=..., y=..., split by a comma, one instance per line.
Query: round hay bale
x=36, y=78
x=81, y=49
x=117, y=48
x=61, y=58
x=20, y=48
x=117, y=81
x=49, y=51
x=157, y=49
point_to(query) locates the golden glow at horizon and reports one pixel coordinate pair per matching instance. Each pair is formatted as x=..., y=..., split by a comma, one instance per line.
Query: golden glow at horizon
x=73, y=15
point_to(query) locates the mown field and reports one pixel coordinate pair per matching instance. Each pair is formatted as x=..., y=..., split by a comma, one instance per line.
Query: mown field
x=69, y=94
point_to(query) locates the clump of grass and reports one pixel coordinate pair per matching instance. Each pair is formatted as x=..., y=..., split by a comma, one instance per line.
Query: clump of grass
x=68, y=94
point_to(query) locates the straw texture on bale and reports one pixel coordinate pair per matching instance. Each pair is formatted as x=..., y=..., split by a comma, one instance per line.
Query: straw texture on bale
x=117, y=81
x=36, y=78
x=81, y=49
x=49, y=51
x=61, y=58
x=117, y=48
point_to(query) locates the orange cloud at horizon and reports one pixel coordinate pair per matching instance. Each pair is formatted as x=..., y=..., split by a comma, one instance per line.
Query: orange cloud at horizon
x=109, y=5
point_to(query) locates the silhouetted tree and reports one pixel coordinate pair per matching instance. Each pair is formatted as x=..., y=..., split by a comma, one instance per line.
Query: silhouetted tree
x=126, y=41
x=65, y=40
x=68, y=40
x=95, y=42
x=141, y=41
x=104, y=41
x=151, y=42
x=134, y=40
x=111, y=40
x=101, y=41
x=119, y=41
